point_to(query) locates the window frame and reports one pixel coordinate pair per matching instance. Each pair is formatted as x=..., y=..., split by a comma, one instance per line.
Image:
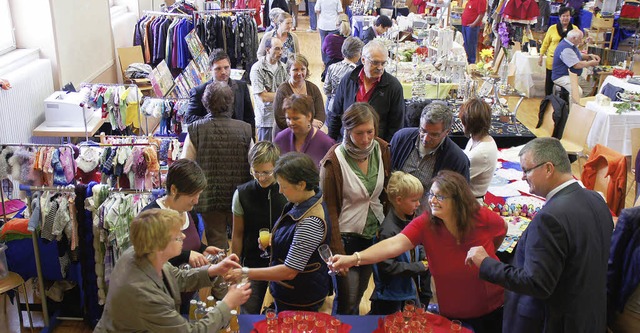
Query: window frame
x=7, y=29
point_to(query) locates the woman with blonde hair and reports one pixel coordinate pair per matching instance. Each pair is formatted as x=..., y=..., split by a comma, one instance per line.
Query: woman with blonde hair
x=283, y=32
x=332, y=44
x=144, y=292
x=353, y=176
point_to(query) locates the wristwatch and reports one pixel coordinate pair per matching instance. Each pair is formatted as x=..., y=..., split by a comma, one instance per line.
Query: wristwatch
x=245, y=271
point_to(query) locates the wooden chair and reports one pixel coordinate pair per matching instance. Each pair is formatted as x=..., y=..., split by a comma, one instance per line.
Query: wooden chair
x=14, y=281
x=547, y=122
x=574, y=137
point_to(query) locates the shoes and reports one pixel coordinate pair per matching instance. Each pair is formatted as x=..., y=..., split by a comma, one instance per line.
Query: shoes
x=310, y=30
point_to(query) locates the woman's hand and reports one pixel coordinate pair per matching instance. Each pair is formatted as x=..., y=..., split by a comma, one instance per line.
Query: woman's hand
x=317, y=123
x=223, y=267
x=4, y=84
x=212, y=250
x=237, y=295
x=341, y=262
x=540, y=60
x=197, y=259
x=234, y=275
x=262, y=247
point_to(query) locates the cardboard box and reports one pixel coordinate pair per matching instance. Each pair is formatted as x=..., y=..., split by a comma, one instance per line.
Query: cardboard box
x=66, y=110
x=600, y=22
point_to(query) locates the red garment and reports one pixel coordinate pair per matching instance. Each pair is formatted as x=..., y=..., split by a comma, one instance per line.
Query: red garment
x=251, y=4
x=472, y=10
x=363, y=95
x=421, y=4
x=617, y=171
x=461, y=292
x=521, y=10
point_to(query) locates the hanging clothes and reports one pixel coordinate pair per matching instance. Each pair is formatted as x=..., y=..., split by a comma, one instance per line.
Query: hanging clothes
x=521, y=11
x=162, y=38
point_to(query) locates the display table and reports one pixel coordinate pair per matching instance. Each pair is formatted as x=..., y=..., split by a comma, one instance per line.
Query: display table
x=528, y=76
x=359, y=324
x=506, y=134
x=612, y=129
x=432, y=91
x=621, y=83
x=70, y=132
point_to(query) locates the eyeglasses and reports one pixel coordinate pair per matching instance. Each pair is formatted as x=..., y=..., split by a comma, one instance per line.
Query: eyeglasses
x=179, y=239
x=422, y=133
x=438, y=197
x=528, y=171
x=377, y=63
x=262, y=174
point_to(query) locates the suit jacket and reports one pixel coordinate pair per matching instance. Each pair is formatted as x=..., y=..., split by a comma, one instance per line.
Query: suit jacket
x=140, y=301
x=242, y=107
x=557, y=282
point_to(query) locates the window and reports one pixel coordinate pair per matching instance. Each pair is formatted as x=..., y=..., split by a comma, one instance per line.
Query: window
x=7, y=38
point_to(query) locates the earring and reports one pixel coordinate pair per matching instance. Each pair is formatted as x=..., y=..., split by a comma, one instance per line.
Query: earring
x=309, y=125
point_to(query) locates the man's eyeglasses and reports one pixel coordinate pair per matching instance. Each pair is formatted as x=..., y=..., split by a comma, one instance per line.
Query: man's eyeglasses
x=438, y=197
x=377, y=63
x=422, y=133
x=262, y=174
x=528, y=171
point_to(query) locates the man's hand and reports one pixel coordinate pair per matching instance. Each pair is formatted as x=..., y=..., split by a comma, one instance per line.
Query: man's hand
x=476, y=255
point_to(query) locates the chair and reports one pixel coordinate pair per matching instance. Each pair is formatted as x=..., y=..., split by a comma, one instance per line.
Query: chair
x=606, y=171
x=12, y=282
x=547, y=122
x=576, y=130
x=128, y=56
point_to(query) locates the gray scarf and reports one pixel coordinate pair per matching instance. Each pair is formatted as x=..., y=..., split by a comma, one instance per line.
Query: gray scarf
x=354, y=152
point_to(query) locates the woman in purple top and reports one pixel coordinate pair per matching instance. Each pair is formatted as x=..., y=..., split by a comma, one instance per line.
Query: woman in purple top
x=300, y=135
x=332, y=45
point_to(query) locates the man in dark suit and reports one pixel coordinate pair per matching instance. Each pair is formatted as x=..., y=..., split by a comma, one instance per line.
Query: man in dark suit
x=221, y=71
x=557, y=282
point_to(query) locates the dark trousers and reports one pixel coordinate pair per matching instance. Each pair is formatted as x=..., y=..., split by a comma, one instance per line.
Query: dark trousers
x=383, y=307
x=548, y=84
x=489, y=323
x=352, y=286
x=215, y=226
x=285, y=307
x=470, y=36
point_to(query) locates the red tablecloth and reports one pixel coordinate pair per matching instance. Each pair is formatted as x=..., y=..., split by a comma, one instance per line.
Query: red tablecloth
x=261, y=326
x=439, y=324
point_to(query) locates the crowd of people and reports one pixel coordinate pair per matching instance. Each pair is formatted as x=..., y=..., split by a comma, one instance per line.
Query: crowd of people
x=401, y=204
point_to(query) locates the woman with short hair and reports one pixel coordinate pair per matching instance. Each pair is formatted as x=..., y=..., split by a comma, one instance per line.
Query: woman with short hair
x=283, y=32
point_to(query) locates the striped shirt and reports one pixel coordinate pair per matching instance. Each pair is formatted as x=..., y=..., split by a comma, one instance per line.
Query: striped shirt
x=335, y=73
x=308, y=236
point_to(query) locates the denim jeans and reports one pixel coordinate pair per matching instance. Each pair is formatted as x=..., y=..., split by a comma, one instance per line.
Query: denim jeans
x=470, y=35
x=313, y=18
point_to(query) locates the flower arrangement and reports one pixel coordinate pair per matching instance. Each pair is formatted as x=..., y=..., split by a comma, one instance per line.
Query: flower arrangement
x=486, y=61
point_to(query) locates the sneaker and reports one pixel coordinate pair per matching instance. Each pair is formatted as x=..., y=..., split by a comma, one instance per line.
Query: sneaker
x=310, y=30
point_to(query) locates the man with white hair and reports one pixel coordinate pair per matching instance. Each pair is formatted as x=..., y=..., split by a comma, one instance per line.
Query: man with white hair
x=370, y=83
x=567, y=57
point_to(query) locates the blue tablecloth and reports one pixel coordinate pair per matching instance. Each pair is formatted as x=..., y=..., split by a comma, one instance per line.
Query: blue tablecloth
x=359, y=324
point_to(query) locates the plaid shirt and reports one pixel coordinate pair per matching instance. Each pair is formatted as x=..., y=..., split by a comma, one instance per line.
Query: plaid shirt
x=262, y=79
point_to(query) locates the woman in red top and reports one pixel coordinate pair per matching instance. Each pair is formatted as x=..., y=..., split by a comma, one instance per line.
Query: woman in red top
x=454, y=223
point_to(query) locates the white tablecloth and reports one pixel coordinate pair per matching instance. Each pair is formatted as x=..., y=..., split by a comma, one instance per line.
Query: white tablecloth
x=622, y=83
x=611, y=129
x=527, y=73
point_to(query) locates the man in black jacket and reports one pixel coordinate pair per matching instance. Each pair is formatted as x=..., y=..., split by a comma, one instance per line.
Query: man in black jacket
x=221, y=71
x=370, y=83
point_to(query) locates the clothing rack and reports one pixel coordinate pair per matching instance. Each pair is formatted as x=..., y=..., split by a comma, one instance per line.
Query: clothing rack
x=151, y=12
x=49, y=322
x=219, y=11
x=70, y=146
x=85, y=84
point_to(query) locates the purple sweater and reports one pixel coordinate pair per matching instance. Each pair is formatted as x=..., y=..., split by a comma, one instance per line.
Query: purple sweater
x=332, y=46
x=316, y=146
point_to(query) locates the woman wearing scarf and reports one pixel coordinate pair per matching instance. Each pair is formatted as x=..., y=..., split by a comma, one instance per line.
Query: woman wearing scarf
x=353, y=176
x=554, y=35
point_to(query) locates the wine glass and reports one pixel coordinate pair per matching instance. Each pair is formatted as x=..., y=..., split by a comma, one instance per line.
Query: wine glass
x=325, y=254
x=265, y=239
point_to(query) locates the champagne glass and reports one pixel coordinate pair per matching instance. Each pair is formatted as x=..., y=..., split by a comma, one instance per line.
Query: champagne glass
x=265, y=238
x=325, y=254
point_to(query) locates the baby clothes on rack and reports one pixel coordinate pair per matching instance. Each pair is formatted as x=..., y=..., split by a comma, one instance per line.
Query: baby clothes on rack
x=119, y=103
x=170, y=110
x=38, y=165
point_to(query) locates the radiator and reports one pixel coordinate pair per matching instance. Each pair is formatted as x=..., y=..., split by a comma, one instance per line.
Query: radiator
x=22, y=106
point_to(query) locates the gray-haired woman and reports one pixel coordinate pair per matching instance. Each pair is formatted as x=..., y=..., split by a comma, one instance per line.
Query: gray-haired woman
x=351, y=51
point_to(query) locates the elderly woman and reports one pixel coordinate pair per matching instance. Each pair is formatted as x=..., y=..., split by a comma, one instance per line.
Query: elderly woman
x=332, y=44
x=283, y=33
x=256, y=205
x=299, y=279
x=454, y=223
x=554, y=35
x=481, y=149
x=220, y=146
x=351, y=51
x=300, y=135
x=354, y=175
x=298, y=68
x=144, y=292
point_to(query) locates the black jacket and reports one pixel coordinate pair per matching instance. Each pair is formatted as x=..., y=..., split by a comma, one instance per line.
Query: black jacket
x=560, y=114
x=242, y=108
x=387, y=99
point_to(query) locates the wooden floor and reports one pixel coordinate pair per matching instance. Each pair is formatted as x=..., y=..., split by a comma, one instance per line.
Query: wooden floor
x=310, y=44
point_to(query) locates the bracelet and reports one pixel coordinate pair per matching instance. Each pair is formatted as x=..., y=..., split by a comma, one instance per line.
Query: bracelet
x=359, y=259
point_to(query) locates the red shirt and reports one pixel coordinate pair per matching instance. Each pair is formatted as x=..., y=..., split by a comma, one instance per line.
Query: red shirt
x=363, y=95
x=461, y=293
x=472, y=10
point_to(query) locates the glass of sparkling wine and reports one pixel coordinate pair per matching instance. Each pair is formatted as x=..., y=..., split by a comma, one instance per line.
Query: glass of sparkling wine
x=265, y=240
x=325, y=254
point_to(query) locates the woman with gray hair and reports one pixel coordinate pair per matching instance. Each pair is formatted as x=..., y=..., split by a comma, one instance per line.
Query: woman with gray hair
x=351, y=51
x=332, y=44
x=353, y=176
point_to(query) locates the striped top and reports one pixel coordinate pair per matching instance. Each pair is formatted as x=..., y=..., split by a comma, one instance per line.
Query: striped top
x=308, y=236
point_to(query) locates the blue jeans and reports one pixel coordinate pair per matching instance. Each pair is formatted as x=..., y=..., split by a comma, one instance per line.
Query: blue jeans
x=470, y=35
x=313, y=18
